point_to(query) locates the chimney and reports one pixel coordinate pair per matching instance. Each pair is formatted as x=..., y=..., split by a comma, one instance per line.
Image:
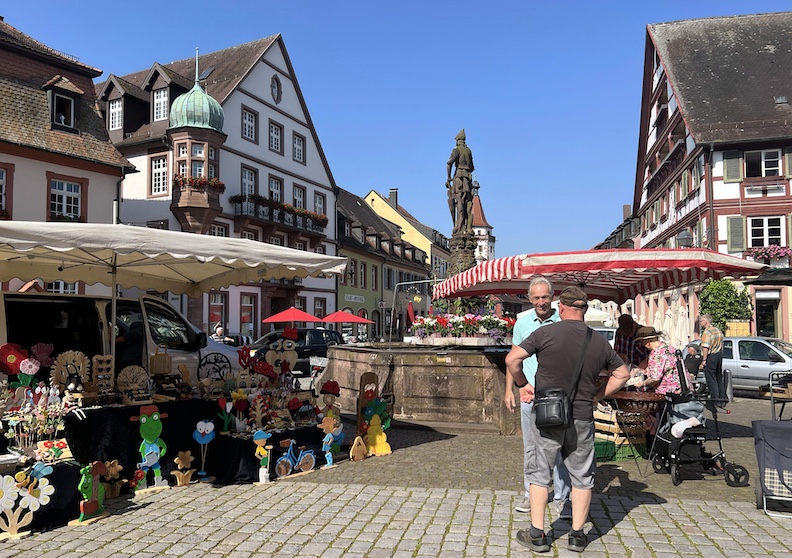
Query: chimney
x=393, y=198
x=626, y=211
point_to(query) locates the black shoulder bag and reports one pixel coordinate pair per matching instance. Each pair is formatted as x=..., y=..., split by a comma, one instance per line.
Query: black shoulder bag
x=553, y=407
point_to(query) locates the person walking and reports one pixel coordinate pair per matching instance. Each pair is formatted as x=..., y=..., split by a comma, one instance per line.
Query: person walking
x=540, y=293
x=712, y=360
x=558, y=347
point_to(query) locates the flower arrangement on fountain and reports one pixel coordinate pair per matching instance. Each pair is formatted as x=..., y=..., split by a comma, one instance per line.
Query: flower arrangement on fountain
x=467, y=325
x=771, y=252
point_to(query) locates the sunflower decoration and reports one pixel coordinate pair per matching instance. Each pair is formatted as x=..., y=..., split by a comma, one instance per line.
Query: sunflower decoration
x=71, y=367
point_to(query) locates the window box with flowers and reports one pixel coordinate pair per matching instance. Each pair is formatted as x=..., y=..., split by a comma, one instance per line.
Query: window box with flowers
x=468, y=329
x=199, y=183
x=773, y=255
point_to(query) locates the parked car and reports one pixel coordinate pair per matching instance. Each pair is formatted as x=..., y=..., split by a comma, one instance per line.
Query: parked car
x=750, y=360
x=608, y=333
x=310, y=343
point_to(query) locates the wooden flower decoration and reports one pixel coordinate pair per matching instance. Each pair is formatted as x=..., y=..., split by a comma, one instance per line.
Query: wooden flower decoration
x=184, y=460
x=113, y=469
x=71, y=366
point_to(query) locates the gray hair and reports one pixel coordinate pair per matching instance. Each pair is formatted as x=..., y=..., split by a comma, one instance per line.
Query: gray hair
x=540, y=280
x=706, y=317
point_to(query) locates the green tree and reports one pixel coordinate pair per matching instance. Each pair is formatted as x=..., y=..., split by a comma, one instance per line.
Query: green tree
x=721, y=300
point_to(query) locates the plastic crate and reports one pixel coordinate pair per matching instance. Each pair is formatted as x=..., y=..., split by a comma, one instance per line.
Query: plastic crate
x=630, y=451
x=604, y=450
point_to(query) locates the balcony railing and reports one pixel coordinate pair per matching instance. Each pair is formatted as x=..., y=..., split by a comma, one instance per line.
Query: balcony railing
x=277, y=216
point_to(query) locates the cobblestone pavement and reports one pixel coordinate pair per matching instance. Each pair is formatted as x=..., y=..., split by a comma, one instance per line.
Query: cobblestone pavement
x=439, y=494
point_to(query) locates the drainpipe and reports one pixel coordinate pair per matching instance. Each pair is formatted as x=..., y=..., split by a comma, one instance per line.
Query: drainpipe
x=712, y=241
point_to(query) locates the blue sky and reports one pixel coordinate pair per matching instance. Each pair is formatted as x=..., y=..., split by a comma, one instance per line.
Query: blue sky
x=548, y=92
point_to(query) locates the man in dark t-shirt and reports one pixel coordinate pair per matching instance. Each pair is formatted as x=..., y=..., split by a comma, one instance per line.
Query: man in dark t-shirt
x=557, y=347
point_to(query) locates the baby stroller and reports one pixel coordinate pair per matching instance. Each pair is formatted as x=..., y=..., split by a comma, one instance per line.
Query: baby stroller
x=682, y=433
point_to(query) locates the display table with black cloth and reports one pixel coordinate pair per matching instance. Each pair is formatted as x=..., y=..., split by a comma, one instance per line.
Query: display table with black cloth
x=64, y=504
x=107, y=433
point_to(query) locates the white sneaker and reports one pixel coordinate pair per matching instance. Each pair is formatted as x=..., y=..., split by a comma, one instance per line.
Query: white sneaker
x=524, y=506
x=563, y=509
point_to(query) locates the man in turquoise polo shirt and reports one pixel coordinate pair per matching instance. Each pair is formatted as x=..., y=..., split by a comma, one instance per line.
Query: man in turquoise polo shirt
x=540, y=293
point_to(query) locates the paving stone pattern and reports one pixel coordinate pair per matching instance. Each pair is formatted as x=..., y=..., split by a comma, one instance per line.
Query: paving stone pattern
x=440, y=494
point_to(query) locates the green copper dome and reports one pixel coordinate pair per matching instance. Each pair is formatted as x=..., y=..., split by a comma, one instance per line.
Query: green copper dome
x=196, y=109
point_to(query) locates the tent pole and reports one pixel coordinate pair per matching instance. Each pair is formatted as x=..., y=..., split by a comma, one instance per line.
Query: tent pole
x=112, y=325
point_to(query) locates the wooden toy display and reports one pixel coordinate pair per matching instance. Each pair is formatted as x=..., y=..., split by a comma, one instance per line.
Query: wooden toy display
x=112, y=481
x=93, y=493
x=291, y=461
x=22, y=496
x=134, y=385
x=373, y=416
x=183, y=473
x=71, y=370
x=358, y=451
x=152, y=448
x=263, y=450
x=52, y=451
x=204, y=433
x=103, y=379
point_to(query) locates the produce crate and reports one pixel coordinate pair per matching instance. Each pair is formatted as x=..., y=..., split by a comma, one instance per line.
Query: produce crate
x=627, y=451
x=604, y=450
x=619, y=427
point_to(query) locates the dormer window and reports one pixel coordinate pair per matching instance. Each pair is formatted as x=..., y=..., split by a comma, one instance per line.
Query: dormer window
x=114, y=110
x=63, y=113
x=161, y=104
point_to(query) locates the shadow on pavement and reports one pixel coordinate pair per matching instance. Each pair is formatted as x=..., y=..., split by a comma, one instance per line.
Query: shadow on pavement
x=613, y=483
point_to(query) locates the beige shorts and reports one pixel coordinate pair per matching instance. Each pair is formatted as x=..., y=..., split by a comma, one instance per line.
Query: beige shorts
x=576, y=445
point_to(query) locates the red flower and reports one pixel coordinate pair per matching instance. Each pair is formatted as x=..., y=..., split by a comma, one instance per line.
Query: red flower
x=264, y=368
x=140, y=474
x=11, y=356
x=442, y=322
x=132, y=484
x=49, y=444
x=294, y=404
x=61, y=444
x=222, y=402
x=241, y=404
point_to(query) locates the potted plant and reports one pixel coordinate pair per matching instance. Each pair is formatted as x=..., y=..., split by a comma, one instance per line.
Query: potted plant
x=238, y=198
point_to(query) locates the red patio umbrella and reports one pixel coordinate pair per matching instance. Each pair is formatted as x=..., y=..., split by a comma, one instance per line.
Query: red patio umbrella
x=345, y=318
x=291, y=315
x=617, y=275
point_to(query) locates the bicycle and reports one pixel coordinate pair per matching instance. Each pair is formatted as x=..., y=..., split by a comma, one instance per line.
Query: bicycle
x=289, y=462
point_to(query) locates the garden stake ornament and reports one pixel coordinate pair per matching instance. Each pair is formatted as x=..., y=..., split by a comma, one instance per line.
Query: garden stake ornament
x=152, y=447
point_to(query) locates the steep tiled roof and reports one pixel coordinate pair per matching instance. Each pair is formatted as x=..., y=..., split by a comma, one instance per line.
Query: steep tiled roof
x=24, y=112
x=14, y=37
x=357, y=210
x=230, y=66
x=479, y=220
x=726, y=73
x=24, y=107
x=124, y=86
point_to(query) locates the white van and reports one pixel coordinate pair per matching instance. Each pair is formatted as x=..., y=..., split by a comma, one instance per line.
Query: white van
x=80, y=322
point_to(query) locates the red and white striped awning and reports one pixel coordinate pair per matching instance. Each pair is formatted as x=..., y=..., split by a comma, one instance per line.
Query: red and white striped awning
x=617, y=275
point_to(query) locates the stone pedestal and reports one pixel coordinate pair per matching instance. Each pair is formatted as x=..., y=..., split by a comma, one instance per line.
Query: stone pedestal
x=463, y=252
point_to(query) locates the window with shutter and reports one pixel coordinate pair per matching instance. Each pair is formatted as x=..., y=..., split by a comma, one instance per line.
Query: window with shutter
x=732, y=166
x=788, y=162
x=735, y=233
x=685, y=184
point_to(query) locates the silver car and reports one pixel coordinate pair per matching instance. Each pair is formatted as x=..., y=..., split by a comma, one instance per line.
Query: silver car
x=750, y=360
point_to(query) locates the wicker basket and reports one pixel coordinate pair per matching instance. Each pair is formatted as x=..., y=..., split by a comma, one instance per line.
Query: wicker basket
x=644, y=402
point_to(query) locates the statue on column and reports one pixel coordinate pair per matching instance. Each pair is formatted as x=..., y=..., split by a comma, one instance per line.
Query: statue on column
x=460, y=187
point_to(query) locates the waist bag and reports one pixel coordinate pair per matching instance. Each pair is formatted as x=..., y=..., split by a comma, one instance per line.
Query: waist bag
x=553, y=407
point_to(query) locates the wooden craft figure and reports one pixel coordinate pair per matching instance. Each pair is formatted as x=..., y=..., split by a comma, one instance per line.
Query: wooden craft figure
x=19, y=505
x=260, y=438
x=367, y=391
x=259, y=410
x=152, y=447
x=328, y=426
x=134, y=385
x=358, y=450
x=71, y=368
x=112, y=481
x=92, y=490
x=225, y=415
x=204, y=433
x=376, y=439
x=330, y=390
x=183, y=473
x=282, y=355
